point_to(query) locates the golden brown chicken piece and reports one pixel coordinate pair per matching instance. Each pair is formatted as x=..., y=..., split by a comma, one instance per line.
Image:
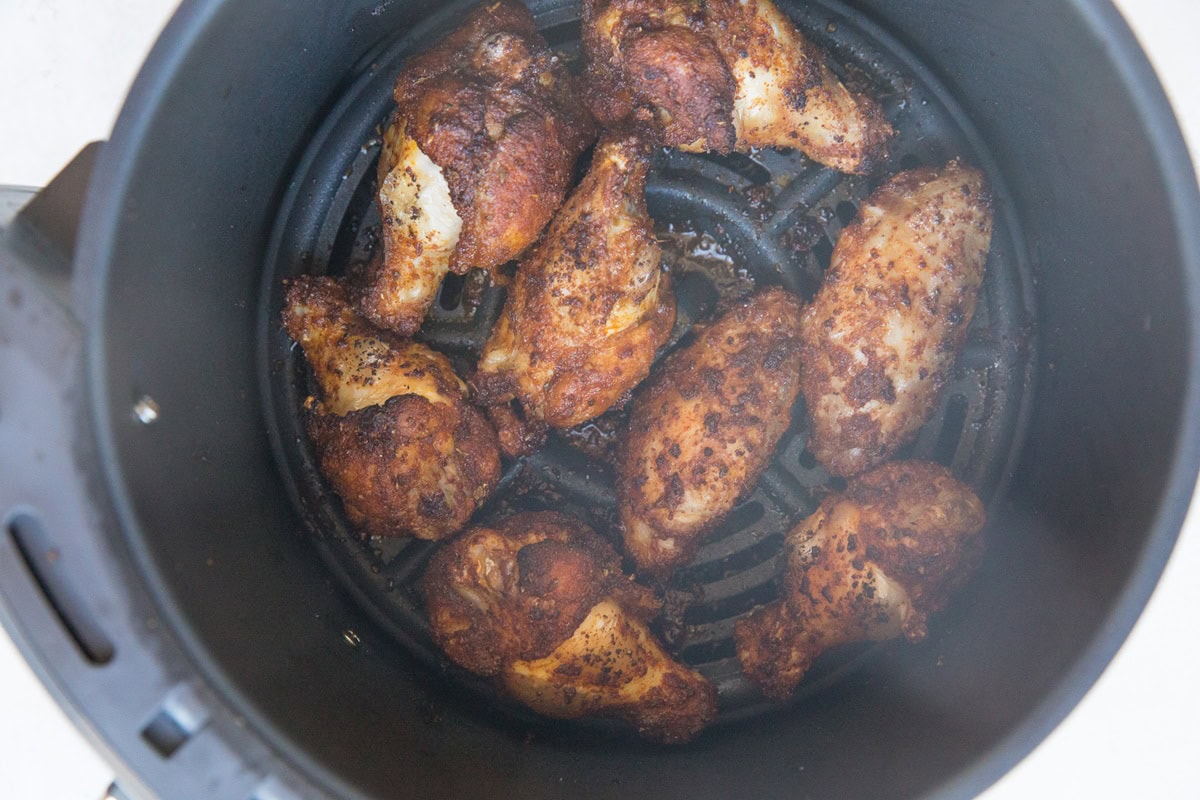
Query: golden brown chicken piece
x=420, y=231
x=725, y=75
x=540, y=603
x=705, y=427
x=871, y=564
x=477, y=157
x=881, y=336
x=588, y=308
x=657, y=62
x=393, y=431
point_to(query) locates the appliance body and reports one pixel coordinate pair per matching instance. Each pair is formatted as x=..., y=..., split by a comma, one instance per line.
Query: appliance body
x=157, y=574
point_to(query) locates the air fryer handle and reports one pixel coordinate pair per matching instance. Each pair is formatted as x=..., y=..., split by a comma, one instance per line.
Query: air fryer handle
x=46, y=584
x=41, y=236
x=57, y=595
x=72, y=596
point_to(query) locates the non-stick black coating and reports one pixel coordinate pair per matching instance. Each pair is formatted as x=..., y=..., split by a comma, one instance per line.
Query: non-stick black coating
x=170, y=259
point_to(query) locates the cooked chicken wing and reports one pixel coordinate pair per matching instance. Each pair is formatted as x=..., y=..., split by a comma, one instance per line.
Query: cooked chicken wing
x=872, y=563
x=724, y=75
x=477, y=157
x=881, y=337
x=540, y=603
x=420, y=231
x=704, y=428
x=665, y=701
x=588, y=308
x=393, y=431
x=658, y=62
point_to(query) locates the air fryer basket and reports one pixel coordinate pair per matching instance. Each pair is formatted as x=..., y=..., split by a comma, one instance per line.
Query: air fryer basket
x=161, y=559
x=726, y=224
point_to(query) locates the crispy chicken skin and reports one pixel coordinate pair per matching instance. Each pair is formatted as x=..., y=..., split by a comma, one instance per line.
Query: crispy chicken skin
x=477, y=157
x=588, y=308
x=725, y=75
x=882, y=334
x=704, y=428
x=786, y=96
x=393, y=431
x=657, y=62
x=539, y=602
x=872, y=563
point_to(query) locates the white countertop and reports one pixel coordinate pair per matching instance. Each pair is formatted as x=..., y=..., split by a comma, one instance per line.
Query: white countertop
x=64, y=70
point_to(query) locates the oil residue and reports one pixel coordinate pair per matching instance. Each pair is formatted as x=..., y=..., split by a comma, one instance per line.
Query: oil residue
x=597, y=439
x=688, y=250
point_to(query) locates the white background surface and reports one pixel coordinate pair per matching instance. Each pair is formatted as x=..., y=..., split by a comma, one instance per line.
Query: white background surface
x=64, y=70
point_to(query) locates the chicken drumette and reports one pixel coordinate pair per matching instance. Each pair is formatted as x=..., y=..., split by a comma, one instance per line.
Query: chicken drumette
x=539, y=602
x=704, y=428
x=587, y=310
x=881, y=336
x=394, y=433
x=476, y=158
x=872, y=563
x=725, y=75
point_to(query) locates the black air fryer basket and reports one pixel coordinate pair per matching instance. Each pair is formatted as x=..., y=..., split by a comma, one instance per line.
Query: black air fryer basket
x=184, y=580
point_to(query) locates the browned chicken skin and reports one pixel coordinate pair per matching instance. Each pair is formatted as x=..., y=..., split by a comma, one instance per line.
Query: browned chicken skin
x=704, y=428
x=872, y=563
x=658, y=59
x=539, y=602
x=725, y=75
x=588, y=308
x=477, y=157
x=393, y=431
x=882, y=334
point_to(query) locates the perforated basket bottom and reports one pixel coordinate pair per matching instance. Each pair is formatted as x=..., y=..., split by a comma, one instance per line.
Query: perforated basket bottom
x=726, y=224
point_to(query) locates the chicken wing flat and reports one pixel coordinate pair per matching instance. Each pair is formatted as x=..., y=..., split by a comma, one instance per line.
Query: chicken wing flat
x=540, y=603
x=882, y=334
x=477, y=157
x=723, y=75
x=704, y=428
x=871, y=564
x=588, y=308
x=393, y=431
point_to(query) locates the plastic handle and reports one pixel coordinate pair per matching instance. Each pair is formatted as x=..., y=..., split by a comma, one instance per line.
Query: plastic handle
x=41, y=235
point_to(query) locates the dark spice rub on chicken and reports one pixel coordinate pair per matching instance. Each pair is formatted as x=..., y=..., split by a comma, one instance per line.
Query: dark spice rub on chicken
x=539, y=602
x=476, y=158
x=705, y=426
x=392, y=427
x=723, y=75
x=871, y=563
x=881, y=336
x=588, y=308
